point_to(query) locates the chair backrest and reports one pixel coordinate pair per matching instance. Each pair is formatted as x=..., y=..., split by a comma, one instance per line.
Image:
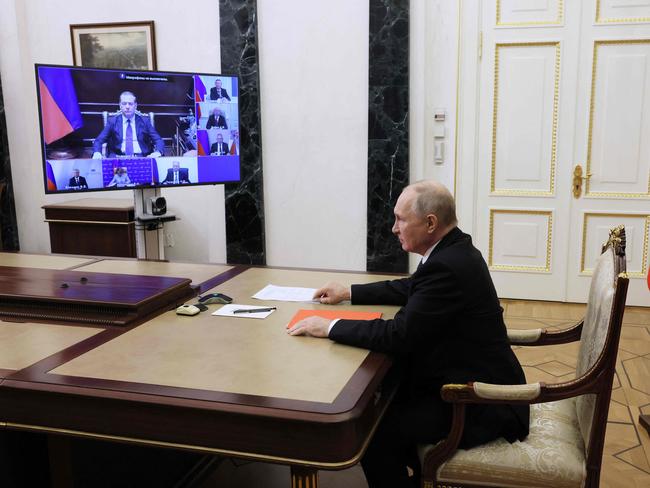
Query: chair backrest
x=106, y=114
x=601, y=328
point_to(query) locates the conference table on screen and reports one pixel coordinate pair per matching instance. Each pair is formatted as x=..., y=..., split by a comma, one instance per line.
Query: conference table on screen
x=229, y=386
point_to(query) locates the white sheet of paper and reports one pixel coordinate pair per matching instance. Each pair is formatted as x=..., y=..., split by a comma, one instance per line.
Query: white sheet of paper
x=229, y=311
x=286, y=293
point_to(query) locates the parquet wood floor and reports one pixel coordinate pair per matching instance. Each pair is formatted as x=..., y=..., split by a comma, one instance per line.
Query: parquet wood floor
x=626, y=458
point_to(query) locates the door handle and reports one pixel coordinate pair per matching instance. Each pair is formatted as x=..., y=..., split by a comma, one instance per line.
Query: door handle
x=577, y=180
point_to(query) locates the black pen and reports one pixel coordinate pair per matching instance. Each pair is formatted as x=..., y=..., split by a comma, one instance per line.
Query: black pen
x=253, y=310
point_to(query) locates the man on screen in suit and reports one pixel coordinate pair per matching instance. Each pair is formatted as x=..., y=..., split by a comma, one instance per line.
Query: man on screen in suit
x=216, y=119
x=129, y=134
x=450, y=329
x=217, y=93
x=219, y=148
x=77, y=182
x=176, y=175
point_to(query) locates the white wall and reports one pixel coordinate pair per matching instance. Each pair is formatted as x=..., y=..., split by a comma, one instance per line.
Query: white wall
x=314, y=96
x=38, y=31
x=433, y=85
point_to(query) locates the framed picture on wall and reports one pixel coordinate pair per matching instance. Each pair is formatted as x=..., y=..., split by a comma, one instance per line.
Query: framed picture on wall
x=125, y=45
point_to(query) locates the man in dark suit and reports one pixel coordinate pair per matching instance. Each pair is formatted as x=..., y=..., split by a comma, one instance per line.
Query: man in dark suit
x=216, y=119
x=450, y=329
x=77, y=182
x=217, y=93
x=176, y=175
x=219, y=148
x=129, y=134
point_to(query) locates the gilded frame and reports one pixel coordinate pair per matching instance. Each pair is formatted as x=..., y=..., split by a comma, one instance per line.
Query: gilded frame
x=123, y=45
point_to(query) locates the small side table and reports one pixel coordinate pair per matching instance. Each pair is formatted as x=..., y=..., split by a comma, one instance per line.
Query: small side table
x=92, y=226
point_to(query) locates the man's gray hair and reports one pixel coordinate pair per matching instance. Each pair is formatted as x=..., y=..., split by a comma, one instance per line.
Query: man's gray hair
x=128, y=93
x=432, y=197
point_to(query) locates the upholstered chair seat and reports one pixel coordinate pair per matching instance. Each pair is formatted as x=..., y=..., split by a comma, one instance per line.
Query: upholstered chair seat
x=551, y=455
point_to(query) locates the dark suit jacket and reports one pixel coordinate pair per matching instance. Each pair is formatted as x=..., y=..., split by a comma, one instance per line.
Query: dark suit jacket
x=148, y=138
x=214, y=96
x=183, y=176
x=82, y=183
x=450, y=329
x=225, y=150
x=219, y=123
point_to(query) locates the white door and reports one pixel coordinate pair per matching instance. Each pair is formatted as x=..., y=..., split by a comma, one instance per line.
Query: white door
x=612, y=142
x=540, y=114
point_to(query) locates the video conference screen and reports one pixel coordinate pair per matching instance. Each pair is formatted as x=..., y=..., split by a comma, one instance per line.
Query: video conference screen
x=107, y=129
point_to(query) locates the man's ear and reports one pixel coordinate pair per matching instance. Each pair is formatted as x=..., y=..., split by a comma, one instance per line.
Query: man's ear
x=432, y=223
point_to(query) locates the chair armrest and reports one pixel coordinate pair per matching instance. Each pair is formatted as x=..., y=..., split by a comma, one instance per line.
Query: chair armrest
x=524, y=336
x=517, y=394
x=544, y=337
x=478, y=392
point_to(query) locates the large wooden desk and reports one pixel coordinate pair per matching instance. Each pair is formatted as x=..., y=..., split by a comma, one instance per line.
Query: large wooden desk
x=231, y=386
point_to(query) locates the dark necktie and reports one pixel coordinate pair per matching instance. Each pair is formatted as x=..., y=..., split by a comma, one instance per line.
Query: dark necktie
x=175, y=176
x=128, y=147
x=76, y=180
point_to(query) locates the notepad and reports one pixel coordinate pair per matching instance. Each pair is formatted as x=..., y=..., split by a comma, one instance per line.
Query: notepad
x=334, y=314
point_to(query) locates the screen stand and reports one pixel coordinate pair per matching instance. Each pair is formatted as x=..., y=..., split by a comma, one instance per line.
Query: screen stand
x=149, y=237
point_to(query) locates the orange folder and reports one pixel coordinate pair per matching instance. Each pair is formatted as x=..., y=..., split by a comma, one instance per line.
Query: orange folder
x=334, y=314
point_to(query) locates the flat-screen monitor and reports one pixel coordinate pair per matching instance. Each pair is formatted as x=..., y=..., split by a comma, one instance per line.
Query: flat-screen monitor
x=107, y=129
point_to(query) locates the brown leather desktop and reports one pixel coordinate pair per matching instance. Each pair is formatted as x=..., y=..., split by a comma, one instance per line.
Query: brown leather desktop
x=233, y=386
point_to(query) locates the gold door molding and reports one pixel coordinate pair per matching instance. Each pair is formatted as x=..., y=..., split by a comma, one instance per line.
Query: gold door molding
x=546, y=267
x=559, y=16
x=600, y=19
x=554, y=124
x=643, y=219
x=592, y=103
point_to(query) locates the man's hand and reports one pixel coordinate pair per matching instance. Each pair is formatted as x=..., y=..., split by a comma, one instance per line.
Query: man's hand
x=332, y=293
x=311, y=326
x=154, y=154
x=97, y=155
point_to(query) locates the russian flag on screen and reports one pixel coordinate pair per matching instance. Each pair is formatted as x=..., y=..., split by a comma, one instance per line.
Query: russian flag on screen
x=199, y=89
x=203, y=142
x=59, y=107
x=51, y=181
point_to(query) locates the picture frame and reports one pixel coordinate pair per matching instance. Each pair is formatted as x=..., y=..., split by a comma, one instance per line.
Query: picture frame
x=122, y=45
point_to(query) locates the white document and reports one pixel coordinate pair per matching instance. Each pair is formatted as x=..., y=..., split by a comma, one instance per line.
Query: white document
x=286, y=294
x=229, y=311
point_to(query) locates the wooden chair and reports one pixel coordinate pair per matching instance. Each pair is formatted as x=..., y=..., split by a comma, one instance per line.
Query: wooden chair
x=567, y=420
x=106, y=115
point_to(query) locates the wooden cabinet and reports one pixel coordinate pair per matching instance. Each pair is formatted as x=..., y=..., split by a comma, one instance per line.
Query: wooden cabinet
x=93, y=226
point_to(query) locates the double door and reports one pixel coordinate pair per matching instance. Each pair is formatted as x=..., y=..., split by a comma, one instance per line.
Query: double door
x=563, y=143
